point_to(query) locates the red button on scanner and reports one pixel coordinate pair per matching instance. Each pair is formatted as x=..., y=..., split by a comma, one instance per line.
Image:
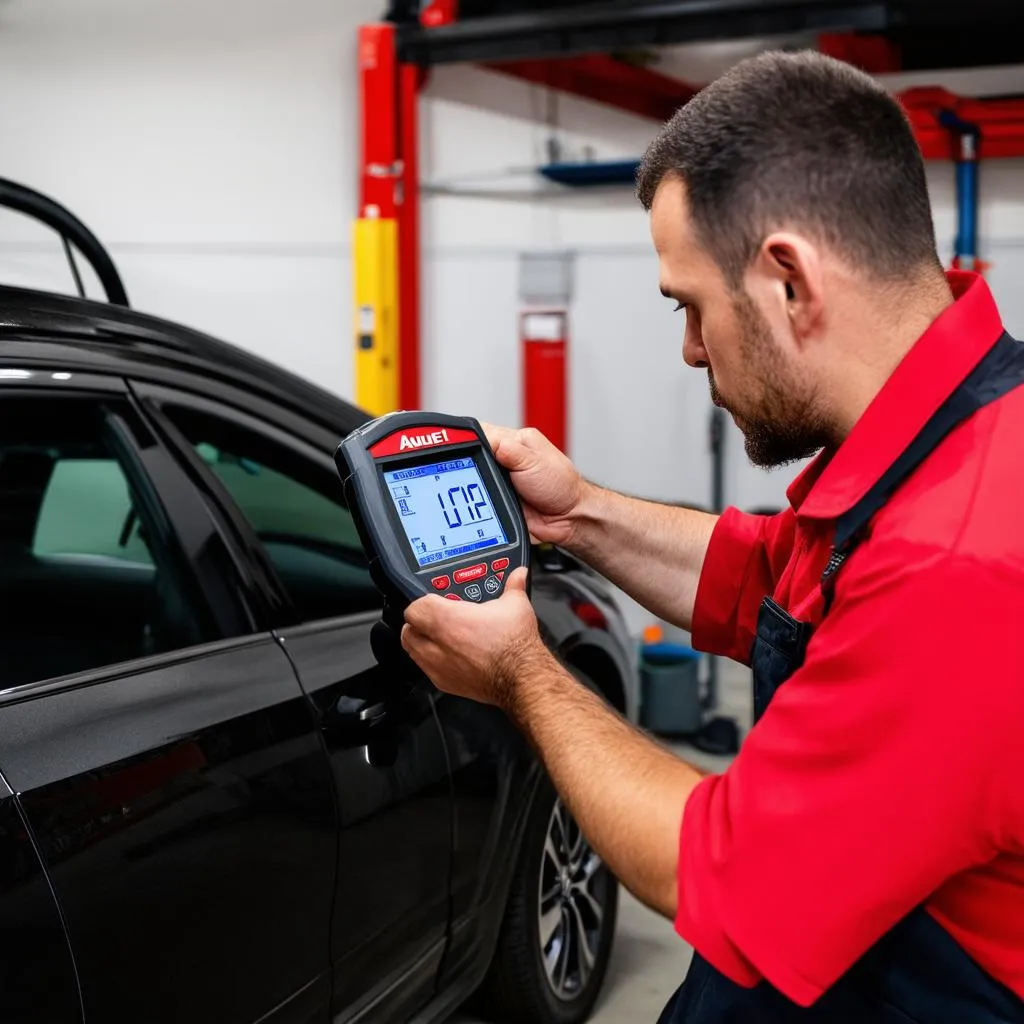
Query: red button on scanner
x=474, y=572
x=452, y=597
x=499, y=564
x=441, y=582
x=500, y=575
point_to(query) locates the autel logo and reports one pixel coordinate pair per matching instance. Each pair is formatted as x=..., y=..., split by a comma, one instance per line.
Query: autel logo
x=423, y=440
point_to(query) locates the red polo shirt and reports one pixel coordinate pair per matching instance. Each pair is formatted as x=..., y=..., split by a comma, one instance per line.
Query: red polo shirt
x=889, y=770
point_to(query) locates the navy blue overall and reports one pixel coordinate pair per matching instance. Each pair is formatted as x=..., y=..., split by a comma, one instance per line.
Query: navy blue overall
x=916, y=973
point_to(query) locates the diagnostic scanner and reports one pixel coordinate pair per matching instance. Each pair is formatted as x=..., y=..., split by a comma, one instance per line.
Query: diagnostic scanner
x=435, y=511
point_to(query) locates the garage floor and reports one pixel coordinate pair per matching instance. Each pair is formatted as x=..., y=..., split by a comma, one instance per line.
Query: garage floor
x=649, y=960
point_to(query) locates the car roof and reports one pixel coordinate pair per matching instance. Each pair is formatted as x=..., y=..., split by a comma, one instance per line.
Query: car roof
x=40, y=328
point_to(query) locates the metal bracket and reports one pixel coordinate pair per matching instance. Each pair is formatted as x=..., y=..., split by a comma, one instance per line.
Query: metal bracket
x=394, y=170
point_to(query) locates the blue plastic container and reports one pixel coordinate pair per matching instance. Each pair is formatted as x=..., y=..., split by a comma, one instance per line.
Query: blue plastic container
x=670, y=703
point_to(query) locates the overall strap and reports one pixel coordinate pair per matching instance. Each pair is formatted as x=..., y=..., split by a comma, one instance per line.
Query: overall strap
x=1001, y=370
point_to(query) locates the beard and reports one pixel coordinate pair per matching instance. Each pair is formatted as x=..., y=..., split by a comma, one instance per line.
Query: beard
x=778, y=422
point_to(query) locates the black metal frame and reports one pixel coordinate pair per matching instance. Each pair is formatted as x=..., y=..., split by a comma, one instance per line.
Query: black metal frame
x=617, y=25
x=622, y=24
x=71, y=230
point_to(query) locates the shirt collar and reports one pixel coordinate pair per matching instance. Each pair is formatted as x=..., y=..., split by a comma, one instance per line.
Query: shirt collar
x=938, y=362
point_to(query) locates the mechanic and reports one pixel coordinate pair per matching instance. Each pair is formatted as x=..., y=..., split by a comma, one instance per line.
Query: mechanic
x=862, y=858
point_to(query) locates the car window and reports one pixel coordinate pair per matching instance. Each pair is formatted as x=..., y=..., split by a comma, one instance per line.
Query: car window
x=295, y=506
x=87, y=510
x=88, y=579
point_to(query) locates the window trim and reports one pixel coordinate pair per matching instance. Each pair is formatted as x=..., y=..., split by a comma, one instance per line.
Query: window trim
x=121, y=671
x=282, y=609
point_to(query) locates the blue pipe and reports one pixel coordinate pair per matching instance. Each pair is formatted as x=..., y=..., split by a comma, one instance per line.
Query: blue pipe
x=967, y=206
x=966, y=254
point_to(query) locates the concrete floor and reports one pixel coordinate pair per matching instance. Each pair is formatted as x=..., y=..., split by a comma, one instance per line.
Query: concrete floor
x=649, y=961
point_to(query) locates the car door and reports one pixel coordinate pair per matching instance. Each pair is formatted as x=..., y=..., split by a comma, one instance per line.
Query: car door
x=379, y=725
x=165, y=756
x=37, y=973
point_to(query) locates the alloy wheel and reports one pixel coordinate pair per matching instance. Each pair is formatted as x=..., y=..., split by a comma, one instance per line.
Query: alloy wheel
x=572, y=894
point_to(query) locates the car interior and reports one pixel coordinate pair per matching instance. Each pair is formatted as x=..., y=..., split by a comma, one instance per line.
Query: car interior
x=81, y=588
x=297, y=511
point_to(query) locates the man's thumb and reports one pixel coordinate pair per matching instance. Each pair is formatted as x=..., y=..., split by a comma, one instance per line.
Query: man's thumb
x=517, y=581
x=513, y=454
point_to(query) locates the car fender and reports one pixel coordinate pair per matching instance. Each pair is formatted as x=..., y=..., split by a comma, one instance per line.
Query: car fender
x=599, y=658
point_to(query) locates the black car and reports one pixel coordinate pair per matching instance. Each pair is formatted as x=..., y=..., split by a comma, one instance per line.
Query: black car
x=215, y=805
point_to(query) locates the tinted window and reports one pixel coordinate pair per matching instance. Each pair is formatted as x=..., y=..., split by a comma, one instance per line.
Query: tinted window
x=87, y=509
x=89, y=579
x=296, y=507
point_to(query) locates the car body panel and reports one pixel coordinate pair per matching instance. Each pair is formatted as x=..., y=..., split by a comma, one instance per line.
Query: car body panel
x=37, y=970
x=395, y=818
x=494, y=774
x=186, y=817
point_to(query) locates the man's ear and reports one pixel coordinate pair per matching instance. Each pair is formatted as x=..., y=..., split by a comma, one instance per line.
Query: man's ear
x=790, y=267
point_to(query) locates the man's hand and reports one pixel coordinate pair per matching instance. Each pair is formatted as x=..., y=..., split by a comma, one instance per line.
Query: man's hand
x=472, y=650
x=549, y=486
x=653, y=552
x=626, y=792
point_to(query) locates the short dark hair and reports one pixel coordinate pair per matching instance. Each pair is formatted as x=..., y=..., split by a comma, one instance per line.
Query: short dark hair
x=801, y=140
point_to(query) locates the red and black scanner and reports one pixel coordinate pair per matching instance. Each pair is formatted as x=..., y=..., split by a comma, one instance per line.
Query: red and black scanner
x=434, y=510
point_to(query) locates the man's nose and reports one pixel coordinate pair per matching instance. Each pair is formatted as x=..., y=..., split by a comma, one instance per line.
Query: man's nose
x=694, y=353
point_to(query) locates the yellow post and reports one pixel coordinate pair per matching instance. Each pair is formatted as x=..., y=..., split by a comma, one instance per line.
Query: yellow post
x=375, y=268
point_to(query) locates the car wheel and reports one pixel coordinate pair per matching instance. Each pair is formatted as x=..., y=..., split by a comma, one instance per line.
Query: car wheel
x=559, y=926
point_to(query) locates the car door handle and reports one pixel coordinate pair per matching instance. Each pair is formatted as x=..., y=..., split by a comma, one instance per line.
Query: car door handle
x=359, y=712
x=353, y=721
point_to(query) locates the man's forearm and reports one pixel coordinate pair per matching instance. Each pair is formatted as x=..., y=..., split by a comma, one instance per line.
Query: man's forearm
x=653, y=552
x=625, y=791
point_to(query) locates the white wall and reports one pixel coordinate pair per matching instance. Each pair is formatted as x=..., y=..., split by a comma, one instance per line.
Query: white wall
x=213, y=148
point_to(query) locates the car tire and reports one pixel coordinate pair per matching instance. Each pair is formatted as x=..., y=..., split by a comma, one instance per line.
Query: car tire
x=566, y=890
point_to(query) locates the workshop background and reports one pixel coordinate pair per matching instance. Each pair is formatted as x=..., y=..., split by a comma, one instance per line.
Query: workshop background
x=220, y=151
x=215, y=149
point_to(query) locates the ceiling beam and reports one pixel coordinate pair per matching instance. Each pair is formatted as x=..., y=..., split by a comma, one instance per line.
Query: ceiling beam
x=617, y=25
x=603, y=79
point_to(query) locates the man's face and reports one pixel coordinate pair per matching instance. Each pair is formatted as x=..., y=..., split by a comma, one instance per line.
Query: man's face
x=752, y=372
